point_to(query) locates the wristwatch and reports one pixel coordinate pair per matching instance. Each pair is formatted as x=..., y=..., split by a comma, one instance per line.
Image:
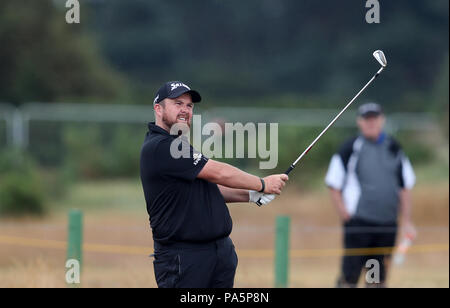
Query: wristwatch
x=263, y=186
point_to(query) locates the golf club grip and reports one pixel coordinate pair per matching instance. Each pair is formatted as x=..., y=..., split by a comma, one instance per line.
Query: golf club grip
x=291, y=167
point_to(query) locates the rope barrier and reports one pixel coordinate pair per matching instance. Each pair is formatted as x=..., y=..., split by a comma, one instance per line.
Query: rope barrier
x=242, y=253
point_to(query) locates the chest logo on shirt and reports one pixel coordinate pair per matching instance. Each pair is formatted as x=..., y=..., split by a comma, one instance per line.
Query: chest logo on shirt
x=197, y=157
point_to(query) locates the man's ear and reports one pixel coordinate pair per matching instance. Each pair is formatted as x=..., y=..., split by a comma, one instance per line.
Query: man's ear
x=157, y=108
x=359, y=121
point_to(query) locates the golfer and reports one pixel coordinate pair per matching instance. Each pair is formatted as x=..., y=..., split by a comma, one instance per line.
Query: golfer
x=370, y=180
x=186, y=199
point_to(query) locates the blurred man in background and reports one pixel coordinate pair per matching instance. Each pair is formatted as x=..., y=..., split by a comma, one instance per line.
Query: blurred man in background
x=186, y=199
x=370, y=180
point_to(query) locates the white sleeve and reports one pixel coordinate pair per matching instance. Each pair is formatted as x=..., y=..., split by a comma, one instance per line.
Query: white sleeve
x=409, y=178
x=335, y=177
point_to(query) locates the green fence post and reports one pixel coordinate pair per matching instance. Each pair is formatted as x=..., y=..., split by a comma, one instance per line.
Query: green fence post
x=282, y=251
x=75, y=236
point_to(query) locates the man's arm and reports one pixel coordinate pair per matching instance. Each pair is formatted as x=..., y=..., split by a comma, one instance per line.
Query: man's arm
x=234, y=194
x=405, y=213
x=232, y=177
x=336, y=197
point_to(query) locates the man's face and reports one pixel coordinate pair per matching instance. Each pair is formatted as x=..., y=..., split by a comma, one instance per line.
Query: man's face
x=372, y=126
x=176, y=110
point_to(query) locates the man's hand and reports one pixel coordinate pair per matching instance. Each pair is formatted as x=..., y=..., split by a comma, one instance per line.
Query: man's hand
x=260, y=198
x=336, y=196
x=344, y=215
x=408, y=230
x=275, y=183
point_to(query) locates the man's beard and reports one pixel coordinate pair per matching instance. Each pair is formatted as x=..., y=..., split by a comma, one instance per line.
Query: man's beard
x=170, y=123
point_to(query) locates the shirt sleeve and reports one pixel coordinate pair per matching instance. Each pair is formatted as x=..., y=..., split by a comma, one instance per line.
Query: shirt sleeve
x=177, y=158
x=408, y=178
x=335, y=177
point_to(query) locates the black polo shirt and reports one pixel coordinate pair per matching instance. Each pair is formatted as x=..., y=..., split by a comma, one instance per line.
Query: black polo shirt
x=182, y=208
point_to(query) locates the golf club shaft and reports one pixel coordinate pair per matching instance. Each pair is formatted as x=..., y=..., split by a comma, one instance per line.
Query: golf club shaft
x=332, y=122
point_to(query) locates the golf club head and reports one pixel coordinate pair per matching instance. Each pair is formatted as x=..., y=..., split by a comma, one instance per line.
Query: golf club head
x=379, y=55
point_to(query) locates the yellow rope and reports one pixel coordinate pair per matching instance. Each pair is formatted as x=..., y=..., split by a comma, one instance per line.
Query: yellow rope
x=242, y=253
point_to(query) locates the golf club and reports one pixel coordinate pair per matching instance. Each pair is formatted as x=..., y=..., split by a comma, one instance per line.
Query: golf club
x=379, y=56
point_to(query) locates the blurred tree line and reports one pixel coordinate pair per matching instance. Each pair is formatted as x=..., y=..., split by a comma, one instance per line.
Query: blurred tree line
x=42, y=58
x=253, y=52
x=286, y=53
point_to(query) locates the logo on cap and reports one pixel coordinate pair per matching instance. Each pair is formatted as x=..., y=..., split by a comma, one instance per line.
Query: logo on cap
x=173, y=89
x=173, y=86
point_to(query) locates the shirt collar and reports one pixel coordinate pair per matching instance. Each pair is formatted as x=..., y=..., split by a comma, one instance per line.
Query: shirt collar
x=379, y=140
x=153, y=128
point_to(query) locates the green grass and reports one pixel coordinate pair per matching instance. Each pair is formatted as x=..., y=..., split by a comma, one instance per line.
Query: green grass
x=127, y=195
x=124, y=195
x=432, y=173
